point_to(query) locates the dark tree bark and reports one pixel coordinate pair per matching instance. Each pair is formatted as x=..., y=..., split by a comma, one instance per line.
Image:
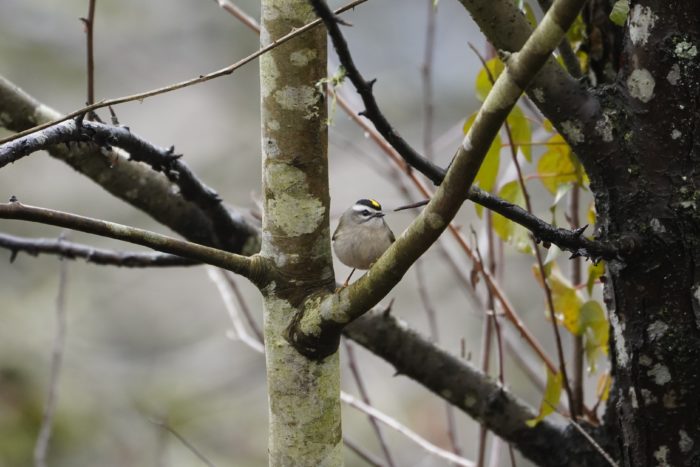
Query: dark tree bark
x=646, y=191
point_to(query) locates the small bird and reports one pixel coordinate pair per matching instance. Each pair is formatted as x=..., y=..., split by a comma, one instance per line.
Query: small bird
x=362, y=236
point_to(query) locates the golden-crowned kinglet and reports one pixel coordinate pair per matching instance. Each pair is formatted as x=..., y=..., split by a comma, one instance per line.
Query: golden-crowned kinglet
x=362, y=235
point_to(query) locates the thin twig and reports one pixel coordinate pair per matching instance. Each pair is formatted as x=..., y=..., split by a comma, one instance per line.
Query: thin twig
x=422, y=442
x=555, y=327
x=372, y=111
x=434, y=335
x=70, y=250
x=166, y=426
x=427, y=75
x=42, y=443
x=183, y=84
x=239, y=14
x=354, y=369
x=538, y=254
x=239, y=331
x=588, y=437
x=362, y=453
x=89, y=23
x=236, y=263
x=242, y=305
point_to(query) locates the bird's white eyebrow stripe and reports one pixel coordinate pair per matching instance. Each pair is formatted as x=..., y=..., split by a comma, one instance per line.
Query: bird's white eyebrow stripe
x=362, y=207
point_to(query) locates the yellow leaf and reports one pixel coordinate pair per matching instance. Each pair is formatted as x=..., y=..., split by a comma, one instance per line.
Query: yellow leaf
x=530, y=15
x=603, y=387
x=552, y=393
x=507, y=230
x=558, y=165
x=565, y=298
x=595, y=327
x=483, y=80
x=520, y=132
x=595, y=271
x=591, y=214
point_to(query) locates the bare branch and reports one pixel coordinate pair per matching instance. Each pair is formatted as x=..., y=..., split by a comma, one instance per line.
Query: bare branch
x=245, y=266
x=239, y=14
x=467, y=388
x=89, y=23
x=436, y=217
x=42, y=443
x=71, y=250
x=160, y=159
x=422, y=442
x=218, y=277
x=136, y=184
x=364, y=88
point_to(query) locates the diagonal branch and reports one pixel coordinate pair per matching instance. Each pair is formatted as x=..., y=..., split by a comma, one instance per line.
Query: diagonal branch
x=160, y=159
x=364, y=88
x=470, y=390
x=72, y=250
x=315, y=333
x=250, y=267
x=135, y=184
x=571, y=241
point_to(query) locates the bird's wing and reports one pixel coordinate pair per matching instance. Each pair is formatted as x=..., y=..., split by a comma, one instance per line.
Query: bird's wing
x=335, y=234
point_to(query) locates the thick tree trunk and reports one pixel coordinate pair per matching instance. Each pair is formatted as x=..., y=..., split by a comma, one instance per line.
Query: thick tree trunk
x=304, y=395
x=649, y=192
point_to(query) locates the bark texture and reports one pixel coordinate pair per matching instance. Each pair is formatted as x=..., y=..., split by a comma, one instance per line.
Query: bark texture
x=648, y=191
x=304, y=394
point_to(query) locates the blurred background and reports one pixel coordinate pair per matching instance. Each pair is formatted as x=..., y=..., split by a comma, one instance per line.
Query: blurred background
x=149, y=345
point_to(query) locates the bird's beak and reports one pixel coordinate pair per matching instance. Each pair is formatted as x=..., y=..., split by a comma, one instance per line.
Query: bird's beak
x=379, y=214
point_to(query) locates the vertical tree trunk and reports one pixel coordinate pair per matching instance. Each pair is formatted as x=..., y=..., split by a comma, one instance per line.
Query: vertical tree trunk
x=650, y=190
x=304, y=395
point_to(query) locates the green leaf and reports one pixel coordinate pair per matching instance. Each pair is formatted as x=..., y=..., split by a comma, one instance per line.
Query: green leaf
x=619, y=12
x=483, y=82
x=552, y=393
x=595, y=272
x=595, y=328
x=520, y=132
x=509, y=231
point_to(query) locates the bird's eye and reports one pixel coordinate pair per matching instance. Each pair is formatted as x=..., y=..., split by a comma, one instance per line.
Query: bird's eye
x=365, y=212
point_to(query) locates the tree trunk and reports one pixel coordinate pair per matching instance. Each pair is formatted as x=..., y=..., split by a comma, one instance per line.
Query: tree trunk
x=304, y=395
x=648, y=192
